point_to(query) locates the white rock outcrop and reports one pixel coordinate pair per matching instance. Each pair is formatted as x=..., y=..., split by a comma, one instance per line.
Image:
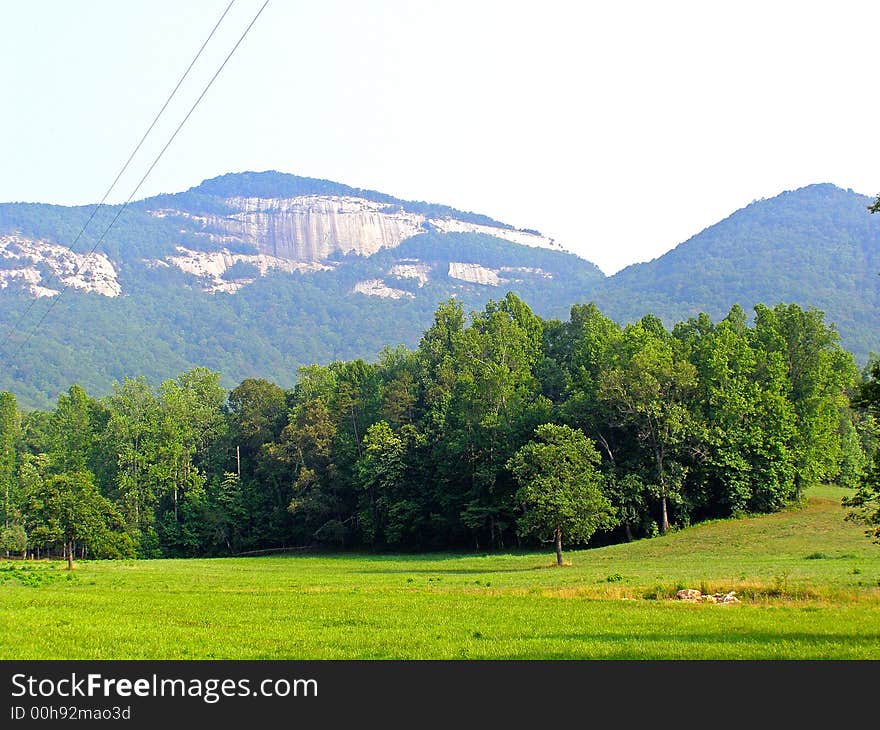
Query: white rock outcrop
x=311, y=228
x=524, y=238
x=86, y=272
x=475, y=274
x=378, y=288
x=211, y=265
x=29, y=278
x=421, y=272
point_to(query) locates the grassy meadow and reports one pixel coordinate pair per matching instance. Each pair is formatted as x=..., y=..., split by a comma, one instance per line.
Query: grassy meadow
x=809, y=584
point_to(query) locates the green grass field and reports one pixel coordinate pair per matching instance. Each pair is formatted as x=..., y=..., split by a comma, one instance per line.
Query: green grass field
x=809, y=582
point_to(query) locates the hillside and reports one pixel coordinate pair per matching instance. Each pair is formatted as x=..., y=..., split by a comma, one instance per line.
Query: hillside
x=256, y=274
x=817, y=246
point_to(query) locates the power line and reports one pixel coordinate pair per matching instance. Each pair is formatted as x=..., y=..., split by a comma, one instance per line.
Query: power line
x=137, y=148
x=56, y=299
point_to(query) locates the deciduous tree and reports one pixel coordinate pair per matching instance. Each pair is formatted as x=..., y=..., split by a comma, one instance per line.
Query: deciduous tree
x=649, y=391
x=560, y=486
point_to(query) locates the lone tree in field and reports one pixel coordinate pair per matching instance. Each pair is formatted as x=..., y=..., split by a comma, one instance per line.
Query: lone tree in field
x=560, y=487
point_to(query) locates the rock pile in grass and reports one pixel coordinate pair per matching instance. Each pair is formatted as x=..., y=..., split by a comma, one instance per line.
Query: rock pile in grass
x=694, y=596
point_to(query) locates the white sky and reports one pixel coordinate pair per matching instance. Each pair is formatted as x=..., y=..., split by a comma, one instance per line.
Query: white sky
x=620, y=129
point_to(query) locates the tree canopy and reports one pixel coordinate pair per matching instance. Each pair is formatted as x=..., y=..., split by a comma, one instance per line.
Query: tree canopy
x=560, y=486
x=499, y=429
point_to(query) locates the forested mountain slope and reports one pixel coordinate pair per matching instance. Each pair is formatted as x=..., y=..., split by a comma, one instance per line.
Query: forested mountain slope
x=256, y=274
x=816, y=246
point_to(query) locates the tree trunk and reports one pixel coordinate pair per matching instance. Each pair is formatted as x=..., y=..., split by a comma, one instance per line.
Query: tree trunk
x=356, y=438
x=629, y=534
x=664, y=523
x=70, y=555
x=558, y=546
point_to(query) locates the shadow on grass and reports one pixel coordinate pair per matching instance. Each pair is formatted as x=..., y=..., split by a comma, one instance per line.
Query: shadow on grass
x=704, y=646
x=401, y=557
x=767, y=638
x=448, y=571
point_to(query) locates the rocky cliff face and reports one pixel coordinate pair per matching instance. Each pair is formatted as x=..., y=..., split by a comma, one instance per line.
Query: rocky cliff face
x=226, y=233
x=467, y=273
x=211, y=267
x=314, y=228
x=475, y=274
x=46, y=268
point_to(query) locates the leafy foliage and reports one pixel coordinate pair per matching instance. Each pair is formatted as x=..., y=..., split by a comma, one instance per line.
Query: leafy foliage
x=865, y=502
x=561, y=486
x=165, y=324
x=498, y=427
x=816, y=247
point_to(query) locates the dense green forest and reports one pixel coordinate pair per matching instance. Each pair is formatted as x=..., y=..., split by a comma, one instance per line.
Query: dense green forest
x=817, y=247
x=499, y=429
x=164, y=325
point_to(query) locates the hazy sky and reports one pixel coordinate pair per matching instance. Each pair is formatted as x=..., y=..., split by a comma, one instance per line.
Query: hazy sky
x=620, y=129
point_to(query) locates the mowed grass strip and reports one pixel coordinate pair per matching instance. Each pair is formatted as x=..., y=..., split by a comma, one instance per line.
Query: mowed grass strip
x=809, y=581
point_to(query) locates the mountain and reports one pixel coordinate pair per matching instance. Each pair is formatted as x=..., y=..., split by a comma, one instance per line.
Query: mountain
x=816, y=246
x=256, y=274
x=252, y=274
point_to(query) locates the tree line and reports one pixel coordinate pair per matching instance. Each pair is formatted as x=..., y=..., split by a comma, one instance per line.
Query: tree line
x=500, y=429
